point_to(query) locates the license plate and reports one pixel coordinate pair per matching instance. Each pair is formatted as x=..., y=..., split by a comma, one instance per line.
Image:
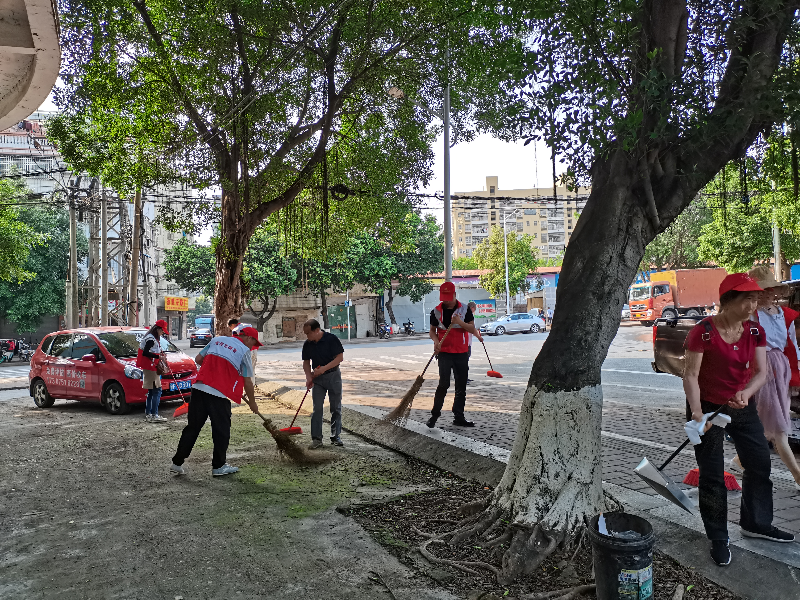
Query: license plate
x=179, y=385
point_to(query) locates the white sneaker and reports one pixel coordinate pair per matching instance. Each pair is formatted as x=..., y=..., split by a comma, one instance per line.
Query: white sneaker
x=178, y=469
x=735, y=466
x=158, y=419
x=225, y=469
x=148, y=418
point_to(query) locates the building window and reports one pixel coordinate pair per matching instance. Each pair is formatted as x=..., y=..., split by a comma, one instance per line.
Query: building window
x=535, y=223
x=527, y=223
x=491, y=189
x=494, y=216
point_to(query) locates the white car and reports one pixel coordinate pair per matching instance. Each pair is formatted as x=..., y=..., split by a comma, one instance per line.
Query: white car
x=626, y=312
x=523, y=322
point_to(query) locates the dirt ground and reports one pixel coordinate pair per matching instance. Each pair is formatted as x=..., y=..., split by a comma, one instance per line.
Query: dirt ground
x=88, y=510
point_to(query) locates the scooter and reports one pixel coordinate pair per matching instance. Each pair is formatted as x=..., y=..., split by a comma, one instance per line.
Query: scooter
x=384, y=331
x=409, y=327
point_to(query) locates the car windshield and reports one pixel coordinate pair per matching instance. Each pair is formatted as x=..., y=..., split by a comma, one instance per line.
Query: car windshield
x=640, y=293
x=125, y=344
x=506, y=318
x=202, y=332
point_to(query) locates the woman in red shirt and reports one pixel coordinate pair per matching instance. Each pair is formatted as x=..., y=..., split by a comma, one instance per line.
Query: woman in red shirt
x=726, y=362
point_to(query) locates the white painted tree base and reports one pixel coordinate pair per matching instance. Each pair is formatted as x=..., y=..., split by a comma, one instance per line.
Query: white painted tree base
x=554, y=475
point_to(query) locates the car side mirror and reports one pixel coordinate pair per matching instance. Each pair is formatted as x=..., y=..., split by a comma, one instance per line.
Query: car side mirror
x=89, y=358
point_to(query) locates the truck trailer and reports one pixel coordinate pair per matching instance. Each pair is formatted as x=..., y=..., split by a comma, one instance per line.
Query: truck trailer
x=671, y=294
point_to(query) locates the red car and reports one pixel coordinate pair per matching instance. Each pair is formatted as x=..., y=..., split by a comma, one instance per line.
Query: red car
x=98, y=364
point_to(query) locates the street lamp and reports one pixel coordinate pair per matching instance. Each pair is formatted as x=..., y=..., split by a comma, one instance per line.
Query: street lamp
x=444, y=115
x=505, y=249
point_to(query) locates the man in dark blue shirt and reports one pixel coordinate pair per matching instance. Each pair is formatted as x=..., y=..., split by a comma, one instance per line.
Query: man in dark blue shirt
x=322, y=354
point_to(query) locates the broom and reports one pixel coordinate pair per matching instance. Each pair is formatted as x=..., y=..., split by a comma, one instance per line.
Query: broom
x=491, y=372
x=401, y=412
x=286, y=445
x=693, y=478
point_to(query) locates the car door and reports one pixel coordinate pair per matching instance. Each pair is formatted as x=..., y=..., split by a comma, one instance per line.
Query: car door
x=55, y=372
x=83, y=376
x=525, y=322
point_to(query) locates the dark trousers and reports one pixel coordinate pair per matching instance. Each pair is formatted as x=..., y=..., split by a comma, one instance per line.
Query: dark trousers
x=748, y=436
x=459, y=364
x=201, y=407
x=330, y=384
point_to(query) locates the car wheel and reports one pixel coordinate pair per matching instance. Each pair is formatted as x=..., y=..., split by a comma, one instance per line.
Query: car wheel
x=191, y=345
x=669, y=314
x=114, y=399
x=500, y=330
x=692, y=313
x=535, y=328
x=41, y=397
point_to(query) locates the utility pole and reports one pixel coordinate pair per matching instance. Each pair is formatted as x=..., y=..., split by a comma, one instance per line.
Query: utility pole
x=103, y=259
x=448, y=226
x=72, y=300
x=135, y=250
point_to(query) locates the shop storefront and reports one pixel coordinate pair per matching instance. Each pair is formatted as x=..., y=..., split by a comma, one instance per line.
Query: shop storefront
x=173, y=310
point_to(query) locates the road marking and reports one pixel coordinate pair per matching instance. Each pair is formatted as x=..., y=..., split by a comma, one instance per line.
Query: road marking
x=375, y=362
x=12, y=372
x=645, y=387
x=637, y=372
x=402, y=360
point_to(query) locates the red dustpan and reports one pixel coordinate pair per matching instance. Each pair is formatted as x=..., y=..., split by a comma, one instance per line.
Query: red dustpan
x=291, y=430
x=491, y=372
x=181, y=410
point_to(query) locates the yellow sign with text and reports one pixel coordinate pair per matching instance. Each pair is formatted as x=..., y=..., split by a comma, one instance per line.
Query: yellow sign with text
x=176, y=303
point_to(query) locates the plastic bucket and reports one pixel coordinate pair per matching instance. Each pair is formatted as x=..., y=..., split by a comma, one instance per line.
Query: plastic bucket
x=623, y=559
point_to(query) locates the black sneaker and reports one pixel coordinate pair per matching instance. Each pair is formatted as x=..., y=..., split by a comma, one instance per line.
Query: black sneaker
x=431, y=422
x=773, y=535
x=462, y=422
x=720, y=552
x=337, y=441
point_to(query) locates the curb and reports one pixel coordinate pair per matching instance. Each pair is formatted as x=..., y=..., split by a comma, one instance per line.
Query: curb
x=772, y=570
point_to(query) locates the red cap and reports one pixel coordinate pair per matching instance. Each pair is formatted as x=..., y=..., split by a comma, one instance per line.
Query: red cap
x=740, y=282
x=251, y=332
x=447, y=291
x=163, y=324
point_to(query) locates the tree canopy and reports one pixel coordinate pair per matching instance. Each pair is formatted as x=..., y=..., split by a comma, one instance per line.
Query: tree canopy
x=490, y=254
x=42, y=294
x=677, y=247
x=269, y=100
x=17, y=238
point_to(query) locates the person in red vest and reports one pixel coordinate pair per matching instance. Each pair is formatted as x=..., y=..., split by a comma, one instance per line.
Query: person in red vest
x=452, y=352
x=225, y=372
x=147, y=360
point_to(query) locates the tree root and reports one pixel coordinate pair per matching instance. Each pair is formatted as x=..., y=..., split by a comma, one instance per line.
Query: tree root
x=462, y=565
x=472, y=508
x=565, y=594
x=477, y=529
x=525, y=553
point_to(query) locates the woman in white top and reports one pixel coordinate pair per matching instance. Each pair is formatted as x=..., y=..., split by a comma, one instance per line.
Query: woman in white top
x=773, y=399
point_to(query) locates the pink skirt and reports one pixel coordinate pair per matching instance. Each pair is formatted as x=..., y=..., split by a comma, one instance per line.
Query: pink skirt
x=773, y=400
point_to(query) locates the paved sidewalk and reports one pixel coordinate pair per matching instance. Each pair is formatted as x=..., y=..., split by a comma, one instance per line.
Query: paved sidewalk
x=629, y=432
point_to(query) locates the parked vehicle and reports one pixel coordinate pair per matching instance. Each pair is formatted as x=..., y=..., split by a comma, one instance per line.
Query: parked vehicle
x=98, y=364
x=516, y=322
x=204, y=322
x=200, y=337
x=626, y=312
x=6, y=350
x=25, y=351
x=408, y=327
x=384, y=331
x=670, y=294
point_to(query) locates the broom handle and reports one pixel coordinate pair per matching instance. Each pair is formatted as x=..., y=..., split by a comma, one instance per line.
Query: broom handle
x=685, y=443
x=299, y=407
x=487, y=355
x=434, y=354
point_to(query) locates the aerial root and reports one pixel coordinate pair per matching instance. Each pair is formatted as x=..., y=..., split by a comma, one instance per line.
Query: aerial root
x=564, y=594
x=473, y=508
x=525, y=552
x=476, y=529
x=461, y=565
x=497, y=523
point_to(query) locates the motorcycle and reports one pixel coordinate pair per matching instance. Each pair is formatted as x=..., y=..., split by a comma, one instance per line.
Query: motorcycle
x=384, y=331
x=409, y=327
x=25, y=351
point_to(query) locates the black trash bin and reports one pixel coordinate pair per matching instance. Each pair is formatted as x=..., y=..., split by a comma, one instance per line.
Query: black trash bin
x=623, y=559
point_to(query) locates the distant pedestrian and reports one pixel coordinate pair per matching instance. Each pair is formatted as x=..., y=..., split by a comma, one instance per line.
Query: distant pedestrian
x=147, y=360
x=233, y=324
x=322, y=355
x=225, y=373
x=452, y=353
x=726, y=364
x=549, y=316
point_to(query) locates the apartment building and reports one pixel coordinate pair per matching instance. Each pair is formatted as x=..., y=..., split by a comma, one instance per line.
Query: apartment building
x=550, y=222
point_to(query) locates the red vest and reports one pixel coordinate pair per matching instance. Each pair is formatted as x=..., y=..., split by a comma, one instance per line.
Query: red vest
x=220, y=368
x=457, y=341
x=150, y=364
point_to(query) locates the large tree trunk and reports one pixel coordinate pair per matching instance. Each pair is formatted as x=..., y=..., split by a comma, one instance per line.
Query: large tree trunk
x=323, y=298
x=389, y=306
x=231, y=249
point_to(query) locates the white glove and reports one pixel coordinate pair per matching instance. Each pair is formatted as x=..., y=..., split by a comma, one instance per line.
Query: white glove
x=695, y=429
